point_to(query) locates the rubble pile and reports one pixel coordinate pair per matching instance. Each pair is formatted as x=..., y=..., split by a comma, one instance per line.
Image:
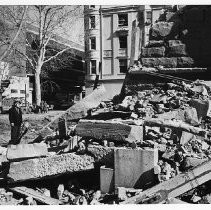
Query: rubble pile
x=161, y=135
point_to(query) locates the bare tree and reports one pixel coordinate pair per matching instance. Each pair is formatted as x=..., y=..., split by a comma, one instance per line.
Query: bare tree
x=49, y=20
x=12, y=20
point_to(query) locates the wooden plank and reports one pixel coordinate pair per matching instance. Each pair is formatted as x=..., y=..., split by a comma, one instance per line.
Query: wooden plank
x=36, y=195
x=174, y=124
x=77, y=111
x=176, y=186
x=108, y=130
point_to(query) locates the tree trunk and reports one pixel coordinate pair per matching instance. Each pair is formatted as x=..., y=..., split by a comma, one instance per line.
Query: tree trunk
x=37, y=85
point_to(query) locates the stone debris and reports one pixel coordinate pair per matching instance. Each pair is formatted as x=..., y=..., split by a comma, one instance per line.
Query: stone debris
x=141, y=141
x=149, y=144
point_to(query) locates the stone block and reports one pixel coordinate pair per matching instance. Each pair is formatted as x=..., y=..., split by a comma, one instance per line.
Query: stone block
x=177, y=50
x=162, y=30
x=153, y=52
x=50, y=166
x=155, y=43
x=172, y=43
x=185, y=62
x=102, y=155
x=134, y=167
x=165, y=62
x=108, y=130
x=106, y=179
x=26, y=151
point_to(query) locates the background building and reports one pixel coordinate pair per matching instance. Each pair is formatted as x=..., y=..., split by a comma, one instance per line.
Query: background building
x=110, y=31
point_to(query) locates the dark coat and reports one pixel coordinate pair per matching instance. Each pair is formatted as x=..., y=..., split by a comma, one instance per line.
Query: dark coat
x=15, y=116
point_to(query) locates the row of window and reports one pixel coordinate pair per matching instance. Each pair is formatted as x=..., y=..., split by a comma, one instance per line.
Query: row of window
x=122, y=66
x=16, y=91
x=122, y=42
x=122, y=21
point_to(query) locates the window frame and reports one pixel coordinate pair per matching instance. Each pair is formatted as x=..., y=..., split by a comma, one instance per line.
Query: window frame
x=122, y=44
x=121, y=66
x=92, y=22
x=121, y=20
x=92, y=43
x=91, y=66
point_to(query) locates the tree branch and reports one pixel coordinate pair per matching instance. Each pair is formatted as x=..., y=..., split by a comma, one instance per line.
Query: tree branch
x=59, y=53
x=17, y=34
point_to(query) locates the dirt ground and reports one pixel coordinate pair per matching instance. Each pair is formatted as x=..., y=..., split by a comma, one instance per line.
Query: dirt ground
x=36, y=121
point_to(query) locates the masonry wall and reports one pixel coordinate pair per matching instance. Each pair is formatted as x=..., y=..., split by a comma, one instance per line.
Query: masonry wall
x=180, y=39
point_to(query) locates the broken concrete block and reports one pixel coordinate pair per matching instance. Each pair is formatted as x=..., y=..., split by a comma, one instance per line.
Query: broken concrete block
x=178, y=50
x=153, y=52
x=175, y=124
x=134, y=167
x=77, y=111
x=190, y=162
x=165, y=62
x=186, y=137
x=26, y=151
x=155, y=43
x=102, y=155
x=201, y=106
x=171, y=17
x=161, y=29
x=50, y=166
x=188, y=115
x=106, y=179
x=107, y=130
x=185, y=62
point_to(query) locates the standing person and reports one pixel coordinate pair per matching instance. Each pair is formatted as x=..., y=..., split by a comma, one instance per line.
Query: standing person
x=42, y=106
x=15, y=118
x=45, y=107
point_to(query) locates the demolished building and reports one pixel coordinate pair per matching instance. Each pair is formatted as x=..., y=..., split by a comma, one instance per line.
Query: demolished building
x=149, y=144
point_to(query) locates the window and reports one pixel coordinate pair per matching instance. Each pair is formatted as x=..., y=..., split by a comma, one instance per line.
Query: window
x=148, y=17
x=14, y=91
x=93, y=66
x=123, y=65
x=123, y=19
x=123, y=42
x=92, y=21
x=93, y=43
x=92, y=6
x=22, y=91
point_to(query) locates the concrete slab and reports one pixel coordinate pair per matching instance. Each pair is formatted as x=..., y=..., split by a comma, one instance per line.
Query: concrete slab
x=50, y=166
x=108, y=130
x=106, y=179
x=134, y=167
x=26, y=151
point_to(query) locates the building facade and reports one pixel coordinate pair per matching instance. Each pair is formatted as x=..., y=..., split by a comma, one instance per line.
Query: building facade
x=114, y=35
